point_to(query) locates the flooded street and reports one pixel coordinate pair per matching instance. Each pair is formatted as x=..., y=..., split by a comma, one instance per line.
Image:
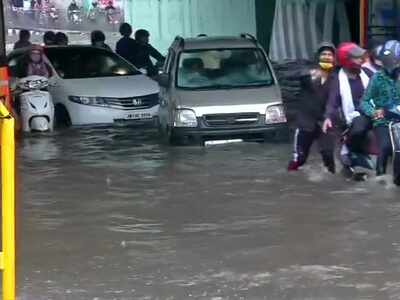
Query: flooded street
x=111, y=213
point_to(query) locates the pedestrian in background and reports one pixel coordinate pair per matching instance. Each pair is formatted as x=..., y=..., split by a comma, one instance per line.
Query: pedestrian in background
x=98, y=38
x=23, y=42
x=49, y=38
x=61, y=39
x=127, y=47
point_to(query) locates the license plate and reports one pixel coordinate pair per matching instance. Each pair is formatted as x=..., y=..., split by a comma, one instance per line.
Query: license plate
x=222, y=142
x=138, y=116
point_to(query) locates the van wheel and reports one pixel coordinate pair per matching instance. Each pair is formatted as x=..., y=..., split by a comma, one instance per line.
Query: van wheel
x=62, y=117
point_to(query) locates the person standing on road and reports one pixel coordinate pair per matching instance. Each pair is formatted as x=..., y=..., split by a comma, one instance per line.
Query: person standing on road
x=98, y=38
x=61, y=39
x=49, y=38
x=145, y=52
x=126, y=46
x=315, y=84
x=23, y=42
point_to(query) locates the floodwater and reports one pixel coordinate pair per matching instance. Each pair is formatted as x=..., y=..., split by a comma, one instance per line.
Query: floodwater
x=111, y=213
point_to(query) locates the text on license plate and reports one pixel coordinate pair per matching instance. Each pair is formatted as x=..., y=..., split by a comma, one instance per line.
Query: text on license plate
x=138, y=116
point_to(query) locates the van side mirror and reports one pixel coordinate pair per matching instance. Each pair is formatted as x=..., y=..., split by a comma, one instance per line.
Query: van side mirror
x=163, y=79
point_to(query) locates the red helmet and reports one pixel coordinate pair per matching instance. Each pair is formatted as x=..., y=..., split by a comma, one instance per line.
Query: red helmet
x=347, y=51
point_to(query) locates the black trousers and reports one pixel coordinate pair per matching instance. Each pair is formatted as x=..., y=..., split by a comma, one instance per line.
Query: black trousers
x=358, y=134
x=304, y=139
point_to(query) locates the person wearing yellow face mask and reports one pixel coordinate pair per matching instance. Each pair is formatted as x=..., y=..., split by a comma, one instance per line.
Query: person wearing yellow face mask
x=315, y=83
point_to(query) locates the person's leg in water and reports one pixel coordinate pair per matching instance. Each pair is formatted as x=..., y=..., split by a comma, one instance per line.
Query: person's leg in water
x=303, y=141
x=326, y=143
x=385, y=148
x=358, y=134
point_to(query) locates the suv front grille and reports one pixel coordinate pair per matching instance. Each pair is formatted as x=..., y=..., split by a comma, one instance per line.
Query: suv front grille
x=130, y=103
x=223, y=120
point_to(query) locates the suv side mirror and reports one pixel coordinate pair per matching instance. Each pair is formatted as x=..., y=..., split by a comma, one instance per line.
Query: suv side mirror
x=163, y=80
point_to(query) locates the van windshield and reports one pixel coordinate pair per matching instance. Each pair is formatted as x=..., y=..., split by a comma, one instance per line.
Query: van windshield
x=223, y=69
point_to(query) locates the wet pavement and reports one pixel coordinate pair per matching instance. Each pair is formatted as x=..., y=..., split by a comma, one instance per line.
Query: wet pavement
x=111, y=213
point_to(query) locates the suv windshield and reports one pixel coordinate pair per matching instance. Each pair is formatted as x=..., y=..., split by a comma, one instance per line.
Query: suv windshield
x=88, y=62
x=223, y=68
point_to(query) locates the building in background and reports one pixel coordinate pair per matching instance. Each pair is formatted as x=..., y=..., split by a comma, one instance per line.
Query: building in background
x=165, y=19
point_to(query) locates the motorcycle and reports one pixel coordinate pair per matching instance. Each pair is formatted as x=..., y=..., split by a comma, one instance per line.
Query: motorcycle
x=75, y=17
x=365, y=161
x=53, y=14
x=36, y=105
x=112, y=17
x=93, y=14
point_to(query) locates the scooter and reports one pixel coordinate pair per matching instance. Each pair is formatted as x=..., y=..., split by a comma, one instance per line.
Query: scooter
x=365, y=161
x=36, y=105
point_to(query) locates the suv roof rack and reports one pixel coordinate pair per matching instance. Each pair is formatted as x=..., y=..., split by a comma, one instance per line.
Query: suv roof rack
x=248, y=36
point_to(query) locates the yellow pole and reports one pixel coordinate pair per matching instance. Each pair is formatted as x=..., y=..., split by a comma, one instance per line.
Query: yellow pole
x=8, y=203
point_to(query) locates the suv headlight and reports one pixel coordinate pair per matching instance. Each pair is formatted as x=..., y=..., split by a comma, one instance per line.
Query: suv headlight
x=185, y=118
x=97, y=101
x=275, y=114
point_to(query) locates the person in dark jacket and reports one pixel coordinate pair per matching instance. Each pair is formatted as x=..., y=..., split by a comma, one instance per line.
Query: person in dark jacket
x=49, y=38
x=98, y=38
x=126, y=46
x=61, y=39
x=23, y=42
x=145, y=52
x=315, y=84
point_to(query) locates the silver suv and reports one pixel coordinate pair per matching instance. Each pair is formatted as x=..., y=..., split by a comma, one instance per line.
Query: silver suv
x=219, y=88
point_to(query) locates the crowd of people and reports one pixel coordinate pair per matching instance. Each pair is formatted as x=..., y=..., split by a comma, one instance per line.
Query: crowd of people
x=137, y=51
x=348, y=90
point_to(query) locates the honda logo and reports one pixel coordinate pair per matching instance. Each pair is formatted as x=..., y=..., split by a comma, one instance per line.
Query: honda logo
x=137, y=102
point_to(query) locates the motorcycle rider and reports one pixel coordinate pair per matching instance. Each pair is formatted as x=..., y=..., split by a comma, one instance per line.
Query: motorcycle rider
x=98, y=39
x=34, y=63
x=315, y=82
x=346, y=91
x=145, y=51
x=382, y=92
x=93, y=9
x=110, y=10
x=71, y=8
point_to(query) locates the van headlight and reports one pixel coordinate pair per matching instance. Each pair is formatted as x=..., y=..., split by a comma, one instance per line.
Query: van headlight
x=275, y=114
x=185, y=118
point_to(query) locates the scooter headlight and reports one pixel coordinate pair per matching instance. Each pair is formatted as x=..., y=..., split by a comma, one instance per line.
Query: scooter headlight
x=275, y=114
x=185, y=118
